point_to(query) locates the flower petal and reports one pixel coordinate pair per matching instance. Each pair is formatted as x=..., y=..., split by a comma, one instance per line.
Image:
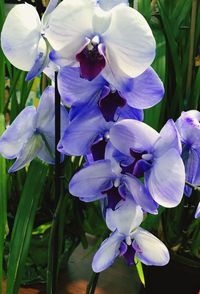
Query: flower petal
x=83, y=130
x=29, y=151
x=69, y=77
x=108, y=4
x=130, y=39
x=169, y=138
x=92, y=180
x=40, y=62
x=140, y=194
x=107, y=253
x=147, y=90
x=46, y=108
x=197, y=213
x=189, y=128
x=152, y=250
x=20, y=45
x=51, y=6
x=137, y=135
x=167, y=179
x=69, y=24
x=16, y=135
x=126, y=217
x=129, y=112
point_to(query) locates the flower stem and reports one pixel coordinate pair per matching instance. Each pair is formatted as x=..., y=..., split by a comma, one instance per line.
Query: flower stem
x=196, y=188
x=92, y=283
x=191, y=50
x=52, y=270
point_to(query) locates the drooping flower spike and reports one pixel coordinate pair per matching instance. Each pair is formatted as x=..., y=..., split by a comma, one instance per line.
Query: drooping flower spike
x=128, y=239
x=32, y=133
x=156, y=157
x=22, y=38
x=107, y=42
x=189, y=129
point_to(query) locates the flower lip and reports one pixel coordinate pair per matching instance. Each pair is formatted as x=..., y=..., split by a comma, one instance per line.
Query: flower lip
x=91, y=58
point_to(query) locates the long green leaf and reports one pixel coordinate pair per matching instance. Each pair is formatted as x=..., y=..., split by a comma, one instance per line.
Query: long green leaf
x=153, y=115
x=23, y=225
x=3, y=203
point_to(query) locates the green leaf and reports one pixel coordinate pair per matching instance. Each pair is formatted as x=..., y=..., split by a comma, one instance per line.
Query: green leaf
x=23, y=225
x=196, y=92
x=3, y=203
x=153, y=115
x=144, y=7
x=140, y=270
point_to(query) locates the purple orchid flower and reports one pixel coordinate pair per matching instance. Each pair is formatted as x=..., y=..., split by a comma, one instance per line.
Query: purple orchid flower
x=106, y=179
x=87, y=126
x=142, y=92
x=32, y=133
x=189, y=129
x=154, y=156
x=25, y=46
x=128, y=239
x=100, y=41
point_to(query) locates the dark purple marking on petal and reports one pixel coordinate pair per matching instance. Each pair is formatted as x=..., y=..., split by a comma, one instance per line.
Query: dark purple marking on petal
x=129, y=255
x=109, y=104
x=138, y=166
x=122, y=191
x=113, y=197
x=92, y=61
x=98, y=150
x=123, y=248
x=141, y=166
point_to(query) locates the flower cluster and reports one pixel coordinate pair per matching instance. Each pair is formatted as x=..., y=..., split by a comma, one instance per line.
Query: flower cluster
x=102, y=51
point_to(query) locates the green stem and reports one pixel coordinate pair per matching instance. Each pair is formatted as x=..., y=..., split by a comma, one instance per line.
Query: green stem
x=196, y=188
x=53, y=253
x=92, y=283
x=191, y=50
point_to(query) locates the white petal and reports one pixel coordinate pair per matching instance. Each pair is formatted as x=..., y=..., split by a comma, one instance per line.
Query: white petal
x=17, y=133
x=130, y=39
x=69, y=24
x=20, y=36
x=153, y=251
x=29, y=151
x=108, y=4
x=167, y=179
x=137, y=135
x=107, y=253
x=126, y=217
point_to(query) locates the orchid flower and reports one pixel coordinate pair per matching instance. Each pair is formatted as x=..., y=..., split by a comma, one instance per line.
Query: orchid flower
x=154, y=156
x=105, y=178
x=107, y=42
x=189, y=128
x=143, y=92
x=22, y=38
x=32, y=133
x=87, y=125
x=128, y=239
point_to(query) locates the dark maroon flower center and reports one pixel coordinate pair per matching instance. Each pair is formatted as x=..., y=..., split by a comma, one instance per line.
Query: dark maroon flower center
x=109, y=104
x=91, y=59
